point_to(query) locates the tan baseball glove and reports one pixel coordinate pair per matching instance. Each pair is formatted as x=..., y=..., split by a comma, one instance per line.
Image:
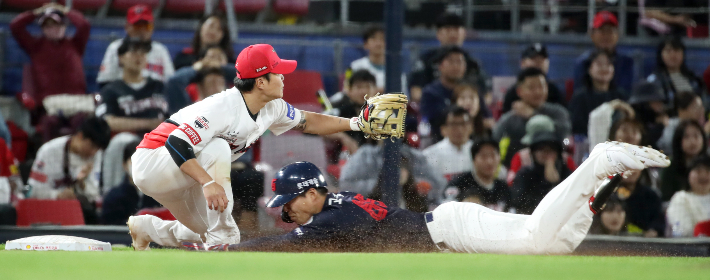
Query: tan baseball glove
x=382, y=116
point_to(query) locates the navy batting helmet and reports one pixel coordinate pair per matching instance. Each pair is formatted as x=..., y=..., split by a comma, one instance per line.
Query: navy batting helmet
x=295, y=179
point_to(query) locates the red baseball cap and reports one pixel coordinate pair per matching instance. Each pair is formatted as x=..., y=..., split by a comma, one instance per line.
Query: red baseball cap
x=604, y=17
x=257, y=60
x=139, y=12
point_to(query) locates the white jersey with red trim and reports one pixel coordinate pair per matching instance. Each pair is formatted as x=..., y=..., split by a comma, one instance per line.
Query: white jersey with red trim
x=225, y=115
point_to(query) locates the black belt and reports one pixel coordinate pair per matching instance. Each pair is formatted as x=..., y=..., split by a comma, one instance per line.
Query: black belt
x=171, y=122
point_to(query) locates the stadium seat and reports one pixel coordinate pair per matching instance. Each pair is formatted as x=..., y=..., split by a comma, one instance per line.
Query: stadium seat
x=40, y=211
x=124, y=5
x=291, y=7
x=702, y=229
x=301, y=87
x=20, y=141
x=184, y=6
x=25, y=4
x=83, y=5
x=246, y=6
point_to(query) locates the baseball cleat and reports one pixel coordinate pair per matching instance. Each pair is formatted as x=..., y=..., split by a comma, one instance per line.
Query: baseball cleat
x=141, y=241
x=608, y=188
x=616, y=157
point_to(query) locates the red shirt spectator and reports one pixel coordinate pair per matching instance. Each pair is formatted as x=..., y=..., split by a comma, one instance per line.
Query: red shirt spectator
x=56, y=59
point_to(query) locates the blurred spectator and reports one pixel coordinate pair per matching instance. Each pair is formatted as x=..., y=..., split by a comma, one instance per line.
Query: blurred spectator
x=450, y=31
x=112, y=173
x=627, y=130
x=676, y=23
x=647, y=100
x=672, y=73
x=347, y=104
x=451, y=155
x=691, y=205
x=605, y=36
x=69, y=167
x=414, y=192
x=206, y=77
x=466, y=96
x=611, y=220
x=374, y=43
x=125, y=199
x=690, y=107
x=598, y=88
x=532, y=89
x=436, y=97
x=139, y=27
x=536, y=124
x=644, y=212
x=357, y=174
x=535, y=56
x=247, y=188
x=604, y=117
x=135, y=103
x=5, y=132
x=10, y=183
x=211, y=32
x=689, y=142
x=532, y=183
x=56, y=60
x=480, y=183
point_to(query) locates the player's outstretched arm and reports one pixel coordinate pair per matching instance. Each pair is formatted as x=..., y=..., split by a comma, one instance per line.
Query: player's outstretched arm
x=314, y=123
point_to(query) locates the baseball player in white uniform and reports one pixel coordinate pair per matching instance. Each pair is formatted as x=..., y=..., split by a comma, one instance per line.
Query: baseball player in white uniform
x=185, y=163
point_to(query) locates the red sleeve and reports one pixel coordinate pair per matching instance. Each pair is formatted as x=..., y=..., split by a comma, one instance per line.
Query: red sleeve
x=18, y=27
x=83, y=28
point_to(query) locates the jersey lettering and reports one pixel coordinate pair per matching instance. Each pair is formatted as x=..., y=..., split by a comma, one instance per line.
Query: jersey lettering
x=291, y=113
x=376, y=209
x=191, y=133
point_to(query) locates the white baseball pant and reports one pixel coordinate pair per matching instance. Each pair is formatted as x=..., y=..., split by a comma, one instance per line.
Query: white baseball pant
x=557, y=226
x=156, y=174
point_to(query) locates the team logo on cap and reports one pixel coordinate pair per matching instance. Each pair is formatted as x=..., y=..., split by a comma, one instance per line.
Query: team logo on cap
x=273, y=185
x=260, y=69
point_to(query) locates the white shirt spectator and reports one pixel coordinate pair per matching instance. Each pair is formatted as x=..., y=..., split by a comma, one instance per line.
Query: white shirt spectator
x=48, y=170
x=685, y=210
x=160, y=65
x=599, y=124
x=448, y=159
x=378, y=71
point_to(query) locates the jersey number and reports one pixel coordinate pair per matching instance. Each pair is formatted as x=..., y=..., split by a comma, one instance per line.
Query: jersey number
x=338, y=199
x=376, y=209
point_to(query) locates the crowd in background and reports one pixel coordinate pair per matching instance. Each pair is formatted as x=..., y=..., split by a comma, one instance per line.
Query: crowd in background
x=459, y=146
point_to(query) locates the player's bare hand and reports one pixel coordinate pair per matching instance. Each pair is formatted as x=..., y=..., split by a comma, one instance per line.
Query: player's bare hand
x=216, y=197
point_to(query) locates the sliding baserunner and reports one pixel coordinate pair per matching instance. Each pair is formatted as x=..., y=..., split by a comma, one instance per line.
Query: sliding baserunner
x=348, y=221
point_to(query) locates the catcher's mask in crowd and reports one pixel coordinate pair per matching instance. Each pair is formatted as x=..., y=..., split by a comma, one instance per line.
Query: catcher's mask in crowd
x=293, y=180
